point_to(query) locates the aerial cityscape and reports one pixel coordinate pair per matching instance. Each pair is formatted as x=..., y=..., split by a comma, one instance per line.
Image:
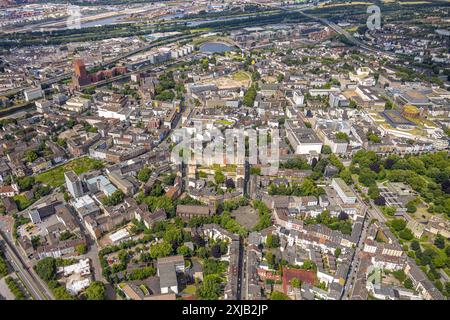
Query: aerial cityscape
x=224, y=150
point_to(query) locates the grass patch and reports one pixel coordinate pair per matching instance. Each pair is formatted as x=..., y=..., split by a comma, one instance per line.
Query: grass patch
x=200, y=30
x=55, y=177
x=144, y=289
x=225, y=122
x=22, y=202
x=190, y=289
x=214, y=38
x=240, y=76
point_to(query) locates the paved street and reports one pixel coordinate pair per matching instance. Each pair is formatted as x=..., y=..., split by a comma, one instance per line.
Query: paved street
x=349, y=286
x=351, y=276
x=4, y=290
x=37, y=289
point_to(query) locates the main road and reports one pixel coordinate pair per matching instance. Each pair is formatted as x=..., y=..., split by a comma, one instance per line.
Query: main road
x=332, y=25
x=354, y=266
x=67, y=75
x=372, y=212
x=37, y=290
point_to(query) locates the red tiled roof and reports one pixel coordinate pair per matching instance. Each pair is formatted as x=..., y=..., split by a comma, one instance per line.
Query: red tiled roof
x=6, y=189
x=305, y=276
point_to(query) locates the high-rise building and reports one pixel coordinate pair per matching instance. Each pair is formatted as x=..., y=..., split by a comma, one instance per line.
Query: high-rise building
x=81, y=76
x=73, y=184
x=80, y=68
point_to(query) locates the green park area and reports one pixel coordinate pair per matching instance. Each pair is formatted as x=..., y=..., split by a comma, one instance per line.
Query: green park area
x=55, y=177
x=225, y=122
x=241, y=76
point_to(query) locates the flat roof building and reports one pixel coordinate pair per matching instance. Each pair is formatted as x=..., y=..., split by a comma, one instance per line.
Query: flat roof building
x=343, y=190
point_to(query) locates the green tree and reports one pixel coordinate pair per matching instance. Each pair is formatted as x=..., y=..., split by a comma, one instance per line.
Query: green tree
x=399, y=275
x=25, y=183
x=295, y=163
x=337, y=252
x=160, y=250
x=372, y=137
x=388, y=210
x=326, y=149
x=439, y=241
x=96, y=291
x=367, y=177
x=212, y=266
x=66, y=196
x=447, y=289
x=408, y=284
x=342, y=136
x=406, y=234
x=411, y=207
x=308, y=265
x=296, y=283
x=273, y=241
x=373, y=191
x=184, y=251
x=46, y=269
x=15, y=289
x=249, y=97
x=398, y=224
x=81, y=248
x=346, y=175
x=219, y=177
x=172, y=234
x=3, y=266
x=415, y=245
x=447, y=251
x=113, y=200
x=144, y=174
x=388, y=105
x=210, y=288
x=31, y=155
x=202, y=252
x=61, y=293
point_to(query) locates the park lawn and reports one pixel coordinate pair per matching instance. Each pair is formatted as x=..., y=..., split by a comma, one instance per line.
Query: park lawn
x=225, y=122
x=55, y=177
x=22, y=202
x=227, y=168
x=241, y=76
